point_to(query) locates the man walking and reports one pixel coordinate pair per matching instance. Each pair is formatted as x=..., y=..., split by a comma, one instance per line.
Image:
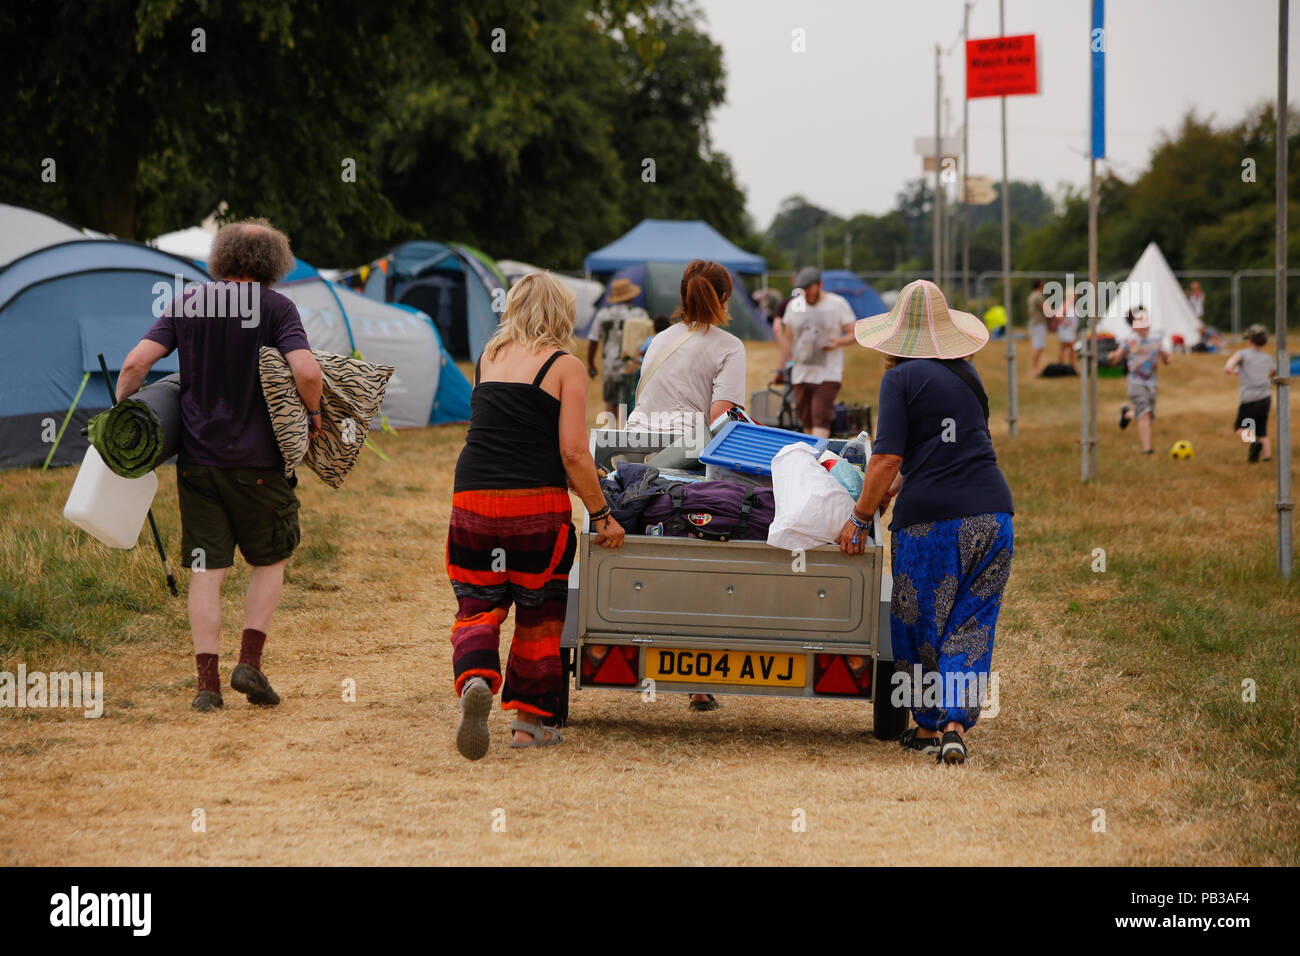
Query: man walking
x=607, y=334
x=817, y=325
x=229, y=472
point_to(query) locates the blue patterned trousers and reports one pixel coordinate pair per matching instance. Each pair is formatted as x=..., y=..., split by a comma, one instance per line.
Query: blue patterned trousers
x=948, y=583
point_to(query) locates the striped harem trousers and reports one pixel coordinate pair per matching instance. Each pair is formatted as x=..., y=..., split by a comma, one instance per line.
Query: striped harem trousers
x=512, y=546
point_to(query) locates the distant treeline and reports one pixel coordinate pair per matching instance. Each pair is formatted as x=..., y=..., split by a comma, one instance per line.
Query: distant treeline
x=1206, y=197
x=536, y=129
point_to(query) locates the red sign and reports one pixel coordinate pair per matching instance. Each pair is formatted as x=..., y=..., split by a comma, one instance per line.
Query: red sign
x=1001, y=66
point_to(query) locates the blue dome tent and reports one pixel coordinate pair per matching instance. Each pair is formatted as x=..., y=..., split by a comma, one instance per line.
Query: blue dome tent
x=673, y=240
x=426, y=389
x=61, y=306
x=654, y=253
x=661, y=284
x=861, y=296
x=458, y=287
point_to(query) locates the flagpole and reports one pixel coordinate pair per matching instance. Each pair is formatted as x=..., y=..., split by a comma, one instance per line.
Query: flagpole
x=1088, y=418
x=938, y=152
x=1012, y=384
x=965, y=173
x=1284, y=505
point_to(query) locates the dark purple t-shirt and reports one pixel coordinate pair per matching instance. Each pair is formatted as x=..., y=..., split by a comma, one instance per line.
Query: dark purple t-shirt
x=219, y=328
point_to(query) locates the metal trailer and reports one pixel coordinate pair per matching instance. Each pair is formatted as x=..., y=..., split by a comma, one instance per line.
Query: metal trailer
x=686, y=615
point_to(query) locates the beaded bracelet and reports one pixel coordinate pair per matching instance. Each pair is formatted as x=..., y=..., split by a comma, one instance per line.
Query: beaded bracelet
x=858, y=522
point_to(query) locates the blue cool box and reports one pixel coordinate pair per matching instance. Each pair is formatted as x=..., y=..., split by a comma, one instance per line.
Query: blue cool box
x=749, y=449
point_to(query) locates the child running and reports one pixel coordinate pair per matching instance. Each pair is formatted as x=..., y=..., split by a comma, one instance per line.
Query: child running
x=1255, y=370
x=1144, y=354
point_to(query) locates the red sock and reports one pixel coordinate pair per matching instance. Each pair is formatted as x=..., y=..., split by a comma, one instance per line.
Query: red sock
x=250, y=648
x=209, y=678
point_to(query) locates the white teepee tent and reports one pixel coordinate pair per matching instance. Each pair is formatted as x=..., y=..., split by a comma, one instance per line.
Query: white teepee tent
x=1153, y=286
x=192, y=243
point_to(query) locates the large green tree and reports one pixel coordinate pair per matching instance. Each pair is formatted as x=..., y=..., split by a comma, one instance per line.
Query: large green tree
x=520, y=125
x=154, y=111
x=544, y=128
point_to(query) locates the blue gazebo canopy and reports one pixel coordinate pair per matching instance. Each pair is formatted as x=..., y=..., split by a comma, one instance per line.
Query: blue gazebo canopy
x=670, y=240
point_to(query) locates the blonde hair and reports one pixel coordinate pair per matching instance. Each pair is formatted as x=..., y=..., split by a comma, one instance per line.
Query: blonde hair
x=540, y=311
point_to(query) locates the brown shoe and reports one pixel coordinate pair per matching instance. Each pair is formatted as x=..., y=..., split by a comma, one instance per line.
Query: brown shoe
x=206, y=700
x=251, y=682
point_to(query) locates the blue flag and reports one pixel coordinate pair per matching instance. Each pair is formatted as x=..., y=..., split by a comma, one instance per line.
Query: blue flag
x=1097, y=46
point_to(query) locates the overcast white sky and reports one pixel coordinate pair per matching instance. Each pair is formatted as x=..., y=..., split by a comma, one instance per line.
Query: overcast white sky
x=838, y=123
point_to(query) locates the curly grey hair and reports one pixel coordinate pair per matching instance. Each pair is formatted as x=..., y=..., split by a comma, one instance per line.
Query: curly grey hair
x=251, y=249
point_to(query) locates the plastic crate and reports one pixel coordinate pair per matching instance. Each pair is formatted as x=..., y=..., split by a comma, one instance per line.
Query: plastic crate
x=749, y=449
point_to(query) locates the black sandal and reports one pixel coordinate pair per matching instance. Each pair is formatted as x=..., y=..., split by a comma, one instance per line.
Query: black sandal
x=953, y=749
x=705, y=705
x=923, y=745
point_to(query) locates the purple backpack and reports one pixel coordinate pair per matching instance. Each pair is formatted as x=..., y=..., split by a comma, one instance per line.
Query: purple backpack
x=715, y=510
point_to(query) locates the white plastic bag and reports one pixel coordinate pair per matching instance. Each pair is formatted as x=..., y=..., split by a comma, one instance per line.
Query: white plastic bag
x=811, y=506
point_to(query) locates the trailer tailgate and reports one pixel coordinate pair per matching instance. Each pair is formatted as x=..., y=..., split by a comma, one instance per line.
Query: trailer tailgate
x=684, y=587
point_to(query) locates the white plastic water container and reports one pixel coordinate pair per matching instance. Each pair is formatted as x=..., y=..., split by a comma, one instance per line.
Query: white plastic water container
x=108, y=506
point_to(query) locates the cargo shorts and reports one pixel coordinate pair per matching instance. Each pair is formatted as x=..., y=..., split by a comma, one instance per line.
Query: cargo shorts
x=254, y=508
x=1142, y=396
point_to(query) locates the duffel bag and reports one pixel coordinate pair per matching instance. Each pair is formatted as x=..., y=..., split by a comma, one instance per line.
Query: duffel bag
x=714, y=510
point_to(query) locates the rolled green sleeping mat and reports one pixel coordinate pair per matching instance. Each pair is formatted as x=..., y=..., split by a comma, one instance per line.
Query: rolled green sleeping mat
x=139, y=433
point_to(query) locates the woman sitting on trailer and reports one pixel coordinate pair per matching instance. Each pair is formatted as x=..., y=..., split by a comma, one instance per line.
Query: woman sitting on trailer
x=511, y=539
x=952, y=534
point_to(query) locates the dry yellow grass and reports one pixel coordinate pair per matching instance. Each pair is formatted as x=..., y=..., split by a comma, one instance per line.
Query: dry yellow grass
x=1101, y=708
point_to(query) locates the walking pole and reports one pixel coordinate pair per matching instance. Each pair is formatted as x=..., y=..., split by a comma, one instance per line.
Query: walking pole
x=153, y=525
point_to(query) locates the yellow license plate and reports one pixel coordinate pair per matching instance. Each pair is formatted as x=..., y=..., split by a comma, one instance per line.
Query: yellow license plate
x=726, y=667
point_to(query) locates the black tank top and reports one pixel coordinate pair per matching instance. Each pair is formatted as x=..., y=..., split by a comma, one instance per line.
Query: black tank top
x=514, y=436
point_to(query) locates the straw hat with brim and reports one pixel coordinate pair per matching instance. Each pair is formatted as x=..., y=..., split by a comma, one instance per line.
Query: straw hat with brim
x=920, y=325
x=623, y=290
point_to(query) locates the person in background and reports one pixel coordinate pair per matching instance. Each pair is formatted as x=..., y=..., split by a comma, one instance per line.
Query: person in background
x=1037, y=309
x=1210, y=341
x=817, y=326
x=1197, y=299
x=1143, y=353
x=1255, y=369
x=606, y=333
x=511, y=538
x=229, y=472
x=693, y=371
x=952, y=523
x=1067, y=331
x=778, y=331
x=661, y=322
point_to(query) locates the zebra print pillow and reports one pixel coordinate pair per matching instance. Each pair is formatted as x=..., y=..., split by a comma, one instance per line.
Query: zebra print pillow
x=353, y=391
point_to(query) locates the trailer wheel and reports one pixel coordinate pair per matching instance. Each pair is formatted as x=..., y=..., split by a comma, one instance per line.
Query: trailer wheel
x=890, y=721
x=566, y=672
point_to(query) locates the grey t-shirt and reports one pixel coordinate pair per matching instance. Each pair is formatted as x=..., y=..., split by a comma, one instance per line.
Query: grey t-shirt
x=1254, y=366
x=708, y=367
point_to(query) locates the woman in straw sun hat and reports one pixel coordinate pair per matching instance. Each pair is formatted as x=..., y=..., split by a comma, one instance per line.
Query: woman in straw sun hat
x=952, y=533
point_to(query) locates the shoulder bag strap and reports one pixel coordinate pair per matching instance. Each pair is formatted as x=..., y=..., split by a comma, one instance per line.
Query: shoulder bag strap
x=961, y=368
x=659, y=361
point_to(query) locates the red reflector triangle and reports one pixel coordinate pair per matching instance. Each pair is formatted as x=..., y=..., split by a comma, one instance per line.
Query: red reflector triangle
x=837, y=679
x=615, y=670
